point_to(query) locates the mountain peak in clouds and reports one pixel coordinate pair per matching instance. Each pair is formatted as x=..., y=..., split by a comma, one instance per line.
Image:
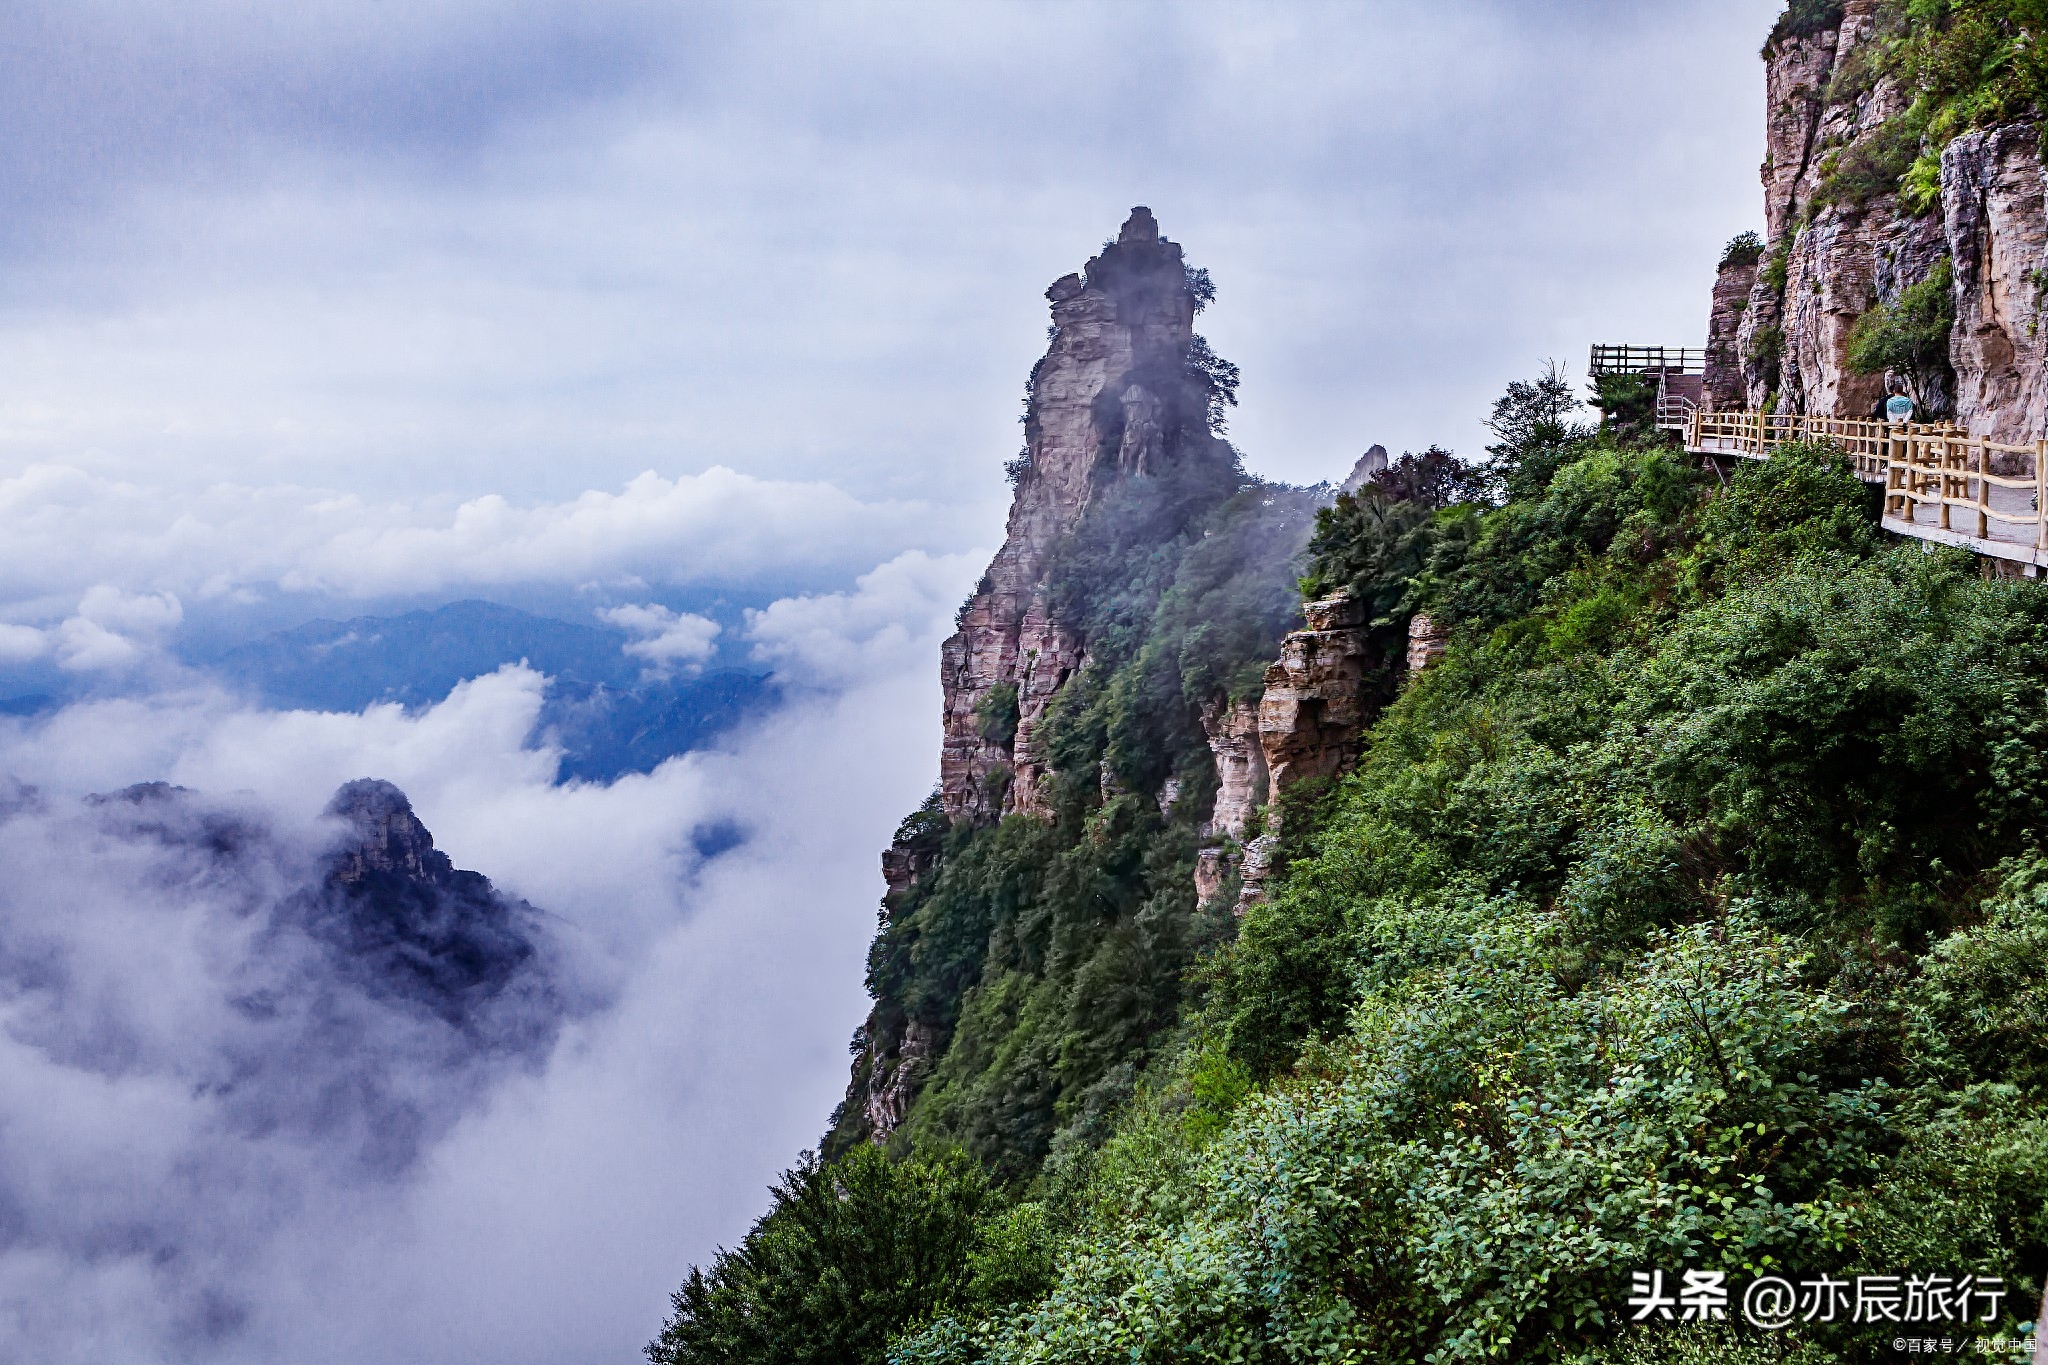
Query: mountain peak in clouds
x=386, y=837
x=405, y=915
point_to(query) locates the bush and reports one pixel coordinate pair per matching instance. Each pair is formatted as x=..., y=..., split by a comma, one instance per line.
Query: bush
x=850, y=1254
x=1911, y=333
x=1743, y=249
x=1803, y=19
x=1872, y=165
x=997, y=714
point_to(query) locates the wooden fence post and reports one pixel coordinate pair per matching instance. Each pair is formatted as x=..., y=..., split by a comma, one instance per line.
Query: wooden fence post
x=1983, y=492
x=2040, y=487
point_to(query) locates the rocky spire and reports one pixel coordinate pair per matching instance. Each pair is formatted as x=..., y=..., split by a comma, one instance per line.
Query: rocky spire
x=1112, y=398
x=409, y=922
x=385, y=836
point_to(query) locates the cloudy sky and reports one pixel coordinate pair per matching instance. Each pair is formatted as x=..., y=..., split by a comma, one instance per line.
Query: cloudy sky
x=345, y=305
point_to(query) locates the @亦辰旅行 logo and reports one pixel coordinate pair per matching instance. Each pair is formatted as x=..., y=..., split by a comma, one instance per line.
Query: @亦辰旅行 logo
x=1771, y=1303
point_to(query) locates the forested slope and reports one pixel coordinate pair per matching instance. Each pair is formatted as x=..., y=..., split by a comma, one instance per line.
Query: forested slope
x=1692, y=911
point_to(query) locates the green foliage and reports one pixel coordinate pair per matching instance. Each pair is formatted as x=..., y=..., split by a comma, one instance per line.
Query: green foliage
x=1686, y=914
x=1745, y=248
x=1627, y=403
x=1490, y=1153
x=1920, y=187
x=1911, y=333
x=1372, y=548
x=1968, y=63
x=997, y=714
x=1802, y=506
x=1217, y=378
x=1533, y=436
x=1803, y=19
x=1872, y=165
x=850, y=1254
x=1974, y=62
x=1607, y=514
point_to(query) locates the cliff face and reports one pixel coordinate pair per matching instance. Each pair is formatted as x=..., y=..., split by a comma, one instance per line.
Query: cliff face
x=1722, y=385
x=1103, y=688
x=1844, y=239
x=1111, y=399
x=1997, y=234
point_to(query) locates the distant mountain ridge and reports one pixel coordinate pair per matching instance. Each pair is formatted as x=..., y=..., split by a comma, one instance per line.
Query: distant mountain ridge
x=606, y=715
x=416, y=658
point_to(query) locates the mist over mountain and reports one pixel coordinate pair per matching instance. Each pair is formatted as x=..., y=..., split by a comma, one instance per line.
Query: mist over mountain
x=696, y=333
x=214, y=1016
x=286, y=1081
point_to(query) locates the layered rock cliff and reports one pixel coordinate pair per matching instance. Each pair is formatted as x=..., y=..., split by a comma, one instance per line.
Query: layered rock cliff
x=1865, y=194
x=1104, y=685
x=1113, y=398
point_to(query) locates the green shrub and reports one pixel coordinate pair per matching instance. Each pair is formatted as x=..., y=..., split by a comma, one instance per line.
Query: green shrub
x=1778, y=269
x=1803, y=19
x=850, y=1254
x=1911, y=333
x=997, y=714
x=1745, y=248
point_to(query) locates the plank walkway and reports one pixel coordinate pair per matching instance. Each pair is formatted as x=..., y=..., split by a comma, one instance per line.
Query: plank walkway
x=1941, y=484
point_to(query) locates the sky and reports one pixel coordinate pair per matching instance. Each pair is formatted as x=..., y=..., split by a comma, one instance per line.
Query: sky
x=351, y=305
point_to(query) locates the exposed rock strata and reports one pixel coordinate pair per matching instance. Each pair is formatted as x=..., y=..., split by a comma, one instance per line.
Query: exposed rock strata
x=1427, y=641
x=1233, y=733
x=1996, y=231
x=1315, y=708
x=1842, y=264
x=1370, y=465
x=400, y=908
x=1111, y=398
x=893, y=1074
x=1721, y=385
x=1840, y=257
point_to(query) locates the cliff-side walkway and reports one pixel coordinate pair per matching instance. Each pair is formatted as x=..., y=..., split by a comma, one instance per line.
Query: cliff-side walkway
x=1940, y=483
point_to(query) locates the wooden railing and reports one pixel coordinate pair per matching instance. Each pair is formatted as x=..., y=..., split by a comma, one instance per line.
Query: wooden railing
x=1612, y=359
x=1934, y=476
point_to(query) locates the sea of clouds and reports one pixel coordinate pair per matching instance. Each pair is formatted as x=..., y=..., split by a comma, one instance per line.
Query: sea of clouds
x=327, y=1179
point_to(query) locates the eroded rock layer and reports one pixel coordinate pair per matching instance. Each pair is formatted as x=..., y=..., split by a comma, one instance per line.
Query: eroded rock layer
x=1109, y=399
x=1848, y=234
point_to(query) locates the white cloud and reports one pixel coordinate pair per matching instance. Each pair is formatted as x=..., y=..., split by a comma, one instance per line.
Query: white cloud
x=20, y=644
x=114, y=630
x=833, y=639
x=70, y=532
x=144, y=613
x=669, y=640
x=554, y=1220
